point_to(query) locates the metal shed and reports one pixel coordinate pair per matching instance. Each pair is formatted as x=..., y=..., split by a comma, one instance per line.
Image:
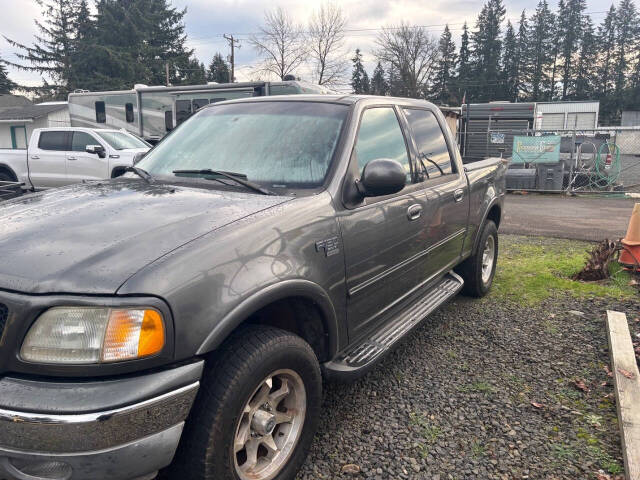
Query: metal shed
x=566, y=115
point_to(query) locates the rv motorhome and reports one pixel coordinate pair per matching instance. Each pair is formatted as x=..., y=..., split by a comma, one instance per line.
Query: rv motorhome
x=152, y=112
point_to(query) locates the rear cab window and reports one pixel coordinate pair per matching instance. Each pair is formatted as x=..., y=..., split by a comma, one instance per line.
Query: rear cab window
x=54, y=140
x=430, y=143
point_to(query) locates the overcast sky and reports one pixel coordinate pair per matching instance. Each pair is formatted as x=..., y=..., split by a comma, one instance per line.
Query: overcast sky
x=207, y=20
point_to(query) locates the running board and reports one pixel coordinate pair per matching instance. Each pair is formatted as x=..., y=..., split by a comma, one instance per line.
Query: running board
x=358, y=359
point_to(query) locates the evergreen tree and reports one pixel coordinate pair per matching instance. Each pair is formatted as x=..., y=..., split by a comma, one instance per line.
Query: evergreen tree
x=359, y=78
x=557, y=32
x=442, y=89
x=379, y=85
x=219, y=70
x=83, y=58
x=585, y=69
x=522, y=49
x=571, y=14
x=190, y=72
x=135, y=40
x=510, y=64
x=539, y=56
x=607, y=44
x=53, y=51
x=6, y=85
x=626, y=26
x=395, y=82
x=486, y=49
x=464, y=64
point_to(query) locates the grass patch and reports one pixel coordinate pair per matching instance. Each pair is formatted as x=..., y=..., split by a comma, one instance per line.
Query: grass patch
x=427, y=430
x=478, y=450
x=530, y=269
x=477, y=387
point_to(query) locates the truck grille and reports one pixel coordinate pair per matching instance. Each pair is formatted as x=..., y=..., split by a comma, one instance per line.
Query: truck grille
x=4, y=314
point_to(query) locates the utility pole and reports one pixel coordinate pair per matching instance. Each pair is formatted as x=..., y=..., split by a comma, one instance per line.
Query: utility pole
x=166, y=72
x=232, y=43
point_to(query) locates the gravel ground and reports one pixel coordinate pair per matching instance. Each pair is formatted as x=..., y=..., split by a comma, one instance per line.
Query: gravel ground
x=481, y=390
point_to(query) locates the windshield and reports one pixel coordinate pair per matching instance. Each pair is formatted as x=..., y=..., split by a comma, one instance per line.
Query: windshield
x=278, y=144
x=122, y=140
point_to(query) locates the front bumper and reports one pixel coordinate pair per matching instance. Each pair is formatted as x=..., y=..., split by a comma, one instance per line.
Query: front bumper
x=118, y=443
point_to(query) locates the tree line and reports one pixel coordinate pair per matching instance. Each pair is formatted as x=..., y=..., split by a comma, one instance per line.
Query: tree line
x=545, y=56
x=123, y=43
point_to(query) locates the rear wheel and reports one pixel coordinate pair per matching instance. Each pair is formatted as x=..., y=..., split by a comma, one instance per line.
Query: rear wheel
x=478, y=270
x=257, y=410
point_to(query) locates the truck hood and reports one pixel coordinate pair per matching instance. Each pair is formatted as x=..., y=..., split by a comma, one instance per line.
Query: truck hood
x=90, y=238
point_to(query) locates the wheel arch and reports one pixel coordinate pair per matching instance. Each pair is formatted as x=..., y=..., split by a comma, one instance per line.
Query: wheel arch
x=299, y=306
x=494, y=213
x=117, y=171
x=7, y=169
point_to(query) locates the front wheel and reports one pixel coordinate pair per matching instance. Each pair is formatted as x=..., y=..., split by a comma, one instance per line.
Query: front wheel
x=478, y=270
x=257, y=411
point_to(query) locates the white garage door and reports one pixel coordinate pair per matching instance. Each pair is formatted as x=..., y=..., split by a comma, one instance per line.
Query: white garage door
x=581, y=121
x=552, y=121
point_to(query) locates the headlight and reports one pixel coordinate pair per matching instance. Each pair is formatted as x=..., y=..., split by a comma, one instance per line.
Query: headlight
x=80, y=335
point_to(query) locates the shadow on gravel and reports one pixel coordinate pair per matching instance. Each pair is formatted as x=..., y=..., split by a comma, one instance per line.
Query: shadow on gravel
x=483, y=389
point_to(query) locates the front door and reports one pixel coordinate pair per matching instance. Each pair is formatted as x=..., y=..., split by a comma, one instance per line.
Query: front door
x=382, y=235
x=48, y=159
x=82, y=165
x=446, y=196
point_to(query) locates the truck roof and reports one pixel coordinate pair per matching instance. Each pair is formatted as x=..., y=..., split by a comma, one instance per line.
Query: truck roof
x=345, y=99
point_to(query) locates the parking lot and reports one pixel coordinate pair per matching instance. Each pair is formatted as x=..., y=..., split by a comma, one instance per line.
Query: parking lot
x=591, y=218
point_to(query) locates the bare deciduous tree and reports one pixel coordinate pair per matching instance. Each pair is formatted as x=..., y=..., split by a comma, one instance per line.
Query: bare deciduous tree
x=412, y=53
x=281, y=43
x=326, y=44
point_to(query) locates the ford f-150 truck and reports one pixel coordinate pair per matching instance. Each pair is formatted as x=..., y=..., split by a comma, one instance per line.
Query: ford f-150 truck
x=61, y=156
x=180, y=318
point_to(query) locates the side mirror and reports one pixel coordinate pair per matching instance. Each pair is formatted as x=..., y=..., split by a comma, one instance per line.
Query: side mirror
x=96, y=150
x=138, y=156
x=381, y=177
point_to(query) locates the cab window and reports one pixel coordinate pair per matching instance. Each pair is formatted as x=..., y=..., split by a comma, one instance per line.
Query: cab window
x=54, y=140
x=430, y=142
x=81, y=140
x=380, y=136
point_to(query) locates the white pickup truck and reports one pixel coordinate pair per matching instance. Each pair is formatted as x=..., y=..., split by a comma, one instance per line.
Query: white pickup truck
x=61, y=156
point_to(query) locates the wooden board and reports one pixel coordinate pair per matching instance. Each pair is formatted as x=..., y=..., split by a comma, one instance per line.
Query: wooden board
x=624, y=365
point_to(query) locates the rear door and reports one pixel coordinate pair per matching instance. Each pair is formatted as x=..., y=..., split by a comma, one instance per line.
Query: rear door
x=445, y=198
x=48, y=159
x=82, y=165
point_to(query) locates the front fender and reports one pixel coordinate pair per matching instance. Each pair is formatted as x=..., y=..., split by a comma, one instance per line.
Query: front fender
x=285, y=289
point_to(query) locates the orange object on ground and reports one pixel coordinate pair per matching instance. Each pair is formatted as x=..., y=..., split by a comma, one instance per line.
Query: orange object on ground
x=630, y=254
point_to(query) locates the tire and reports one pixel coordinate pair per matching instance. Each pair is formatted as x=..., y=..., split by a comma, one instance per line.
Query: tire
x=236, y=375
x=471, y=270
x=6, y=177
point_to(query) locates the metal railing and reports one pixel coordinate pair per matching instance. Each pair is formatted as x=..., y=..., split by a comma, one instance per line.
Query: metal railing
x=601, y=160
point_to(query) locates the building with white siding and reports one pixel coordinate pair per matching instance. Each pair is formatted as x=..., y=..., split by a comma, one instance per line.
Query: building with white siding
x=18, y=122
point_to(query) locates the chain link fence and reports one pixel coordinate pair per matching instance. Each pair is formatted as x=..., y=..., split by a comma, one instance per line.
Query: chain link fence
x=605, y=159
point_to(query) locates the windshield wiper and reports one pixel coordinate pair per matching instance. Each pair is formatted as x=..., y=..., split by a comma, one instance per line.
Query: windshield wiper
x=236, y=177
x=142, y=173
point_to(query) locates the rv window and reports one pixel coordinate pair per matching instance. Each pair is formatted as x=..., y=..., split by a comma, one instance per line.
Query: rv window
x=128, y=108
x=198, y=103
x=168, y=120
x=101, y=113
x=183, y=110
x=52, y=140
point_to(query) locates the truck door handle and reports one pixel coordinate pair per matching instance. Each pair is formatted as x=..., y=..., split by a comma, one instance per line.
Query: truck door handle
x=35, y=157
x=458, y=195
x=71, y=158
x=414, y=212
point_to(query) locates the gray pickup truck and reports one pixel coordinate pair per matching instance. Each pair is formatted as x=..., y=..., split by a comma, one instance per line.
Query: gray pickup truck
x=181, y=318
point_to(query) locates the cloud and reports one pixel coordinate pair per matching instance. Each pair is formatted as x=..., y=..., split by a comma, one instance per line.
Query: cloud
x=206, y=21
